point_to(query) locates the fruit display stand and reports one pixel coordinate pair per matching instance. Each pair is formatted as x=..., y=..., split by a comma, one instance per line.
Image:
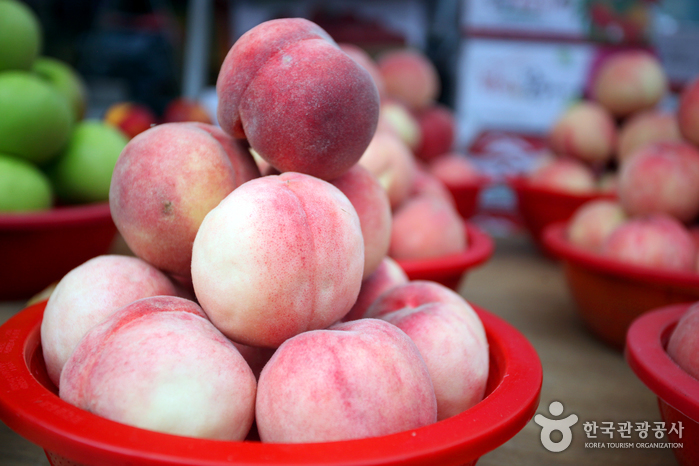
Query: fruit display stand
x=528, y=291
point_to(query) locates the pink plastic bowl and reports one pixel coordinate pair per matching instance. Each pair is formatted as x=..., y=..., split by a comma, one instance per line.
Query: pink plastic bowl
x=29, y=405
x=450, y=270
x=38, y=249
x=677, y=391
x=610, y=294
x=539, y=207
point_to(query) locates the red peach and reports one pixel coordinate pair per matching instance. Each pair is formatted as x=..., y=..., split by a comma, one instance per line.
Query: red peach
x=159, y=364
x=87, y=295
x=683, y=345
x=427, y=184
x=658, y=240
x=593, y=222
x=426, y=227
x=688, y=112
x=164, y=183
x=454, y=169
x=297, y=263
x=410, y=77
x=585, y=131
x=357, y=379
x=130, y=117
x=438, y=129
x=183, y=109
x=645, y=128
x=365, y=60
x=565, y=175
x=386, y=276
x=628, y=82
x=302, y=103
x=392, y=163
x=661, y=177
x=371, y=202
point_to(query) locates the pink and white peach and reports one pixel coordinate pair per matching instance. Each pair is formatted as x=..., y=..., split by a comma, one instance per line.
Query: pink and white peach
x=585, y=131
x=683, y=345
x=593, y=222
x=281, y=255
x=388, y=275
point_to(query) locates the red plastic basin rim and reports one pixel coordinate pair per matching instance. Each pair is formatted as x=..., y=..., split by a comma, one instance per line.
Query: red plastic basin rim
x=554, y=237
x=646, y=355
x=480, y=249
x=520, y=185
x=37, y=414
x=58, y=216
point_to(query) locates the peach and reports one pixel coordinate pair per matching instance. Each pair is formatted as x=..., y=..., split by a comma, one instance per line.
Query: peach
x=371, y=202
x=388, y=274
x=438, y=129
x=392, y=163
x=397, y=118
x=410, y=77
x=585, y=131
x=365, y=60
x=688, y=112
x=683, y=345
x=130, y=117
x=645, y=128
x=184, y=109
x=593, y=222
x=159, y=364
x=564, y=175
x=164, y=183
x=454, y=169
x=356, y=379
x=426, y=227
x=628, y=82
x=661, y=177
x=302, y=103
x=657, y=240
x=417, y=293
x=297, y=264
x=87, y=295
x=425, y=183
x=455, y=354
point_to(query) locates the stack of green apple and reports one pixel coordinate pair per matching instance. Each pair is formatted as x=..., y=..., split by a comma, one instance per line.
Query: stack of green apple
x=48, y=152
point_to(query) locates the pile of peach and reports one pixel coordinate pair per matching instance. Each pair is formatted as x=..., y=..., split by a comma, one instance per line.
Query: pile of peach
x=271, y=298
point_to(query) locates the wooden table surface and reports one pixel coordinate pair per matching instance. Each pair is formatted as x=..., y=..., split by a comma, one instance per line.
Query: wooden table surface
x=588, y=378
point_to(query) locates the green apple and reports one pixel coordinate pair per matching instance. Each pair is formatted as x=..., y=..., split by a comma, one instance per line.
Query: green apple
x=20, y=36
x=35, y=120
x=82, y=172
x=66, y=80
x=23, y=187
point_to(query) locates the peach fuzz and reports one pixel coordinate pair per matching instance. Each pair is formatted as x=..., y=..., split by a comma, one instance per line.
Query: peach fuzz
x=410, y=77
x=683, y=345
x=657, y=240
x=297, y=264
x=365, y=60
x=417, y=293
x=159, y=364
x=593, y=222
x=87, y=295
x=374, y=209
x=426, y=227
x=585, y=131
x=661, y=177
x=688, y=112
x=356, y=379
x=388, y=274
x=564, y=175
x=392, y=163
x=302, y=103
x=164, y=183
x=646, y=128
x=454, y=169
x=456, y=356
x=396, y=118
x=628, y=82
x=438, y=129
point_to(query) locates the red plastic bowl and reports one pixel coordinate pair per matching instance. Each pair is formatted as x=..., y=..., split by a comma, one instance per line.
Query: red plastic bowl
x=467, y=196
x=450, y=270
x=38, y=249
x=29, y=405
x=610, y=294
x=539, y=207
x=677, y=391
